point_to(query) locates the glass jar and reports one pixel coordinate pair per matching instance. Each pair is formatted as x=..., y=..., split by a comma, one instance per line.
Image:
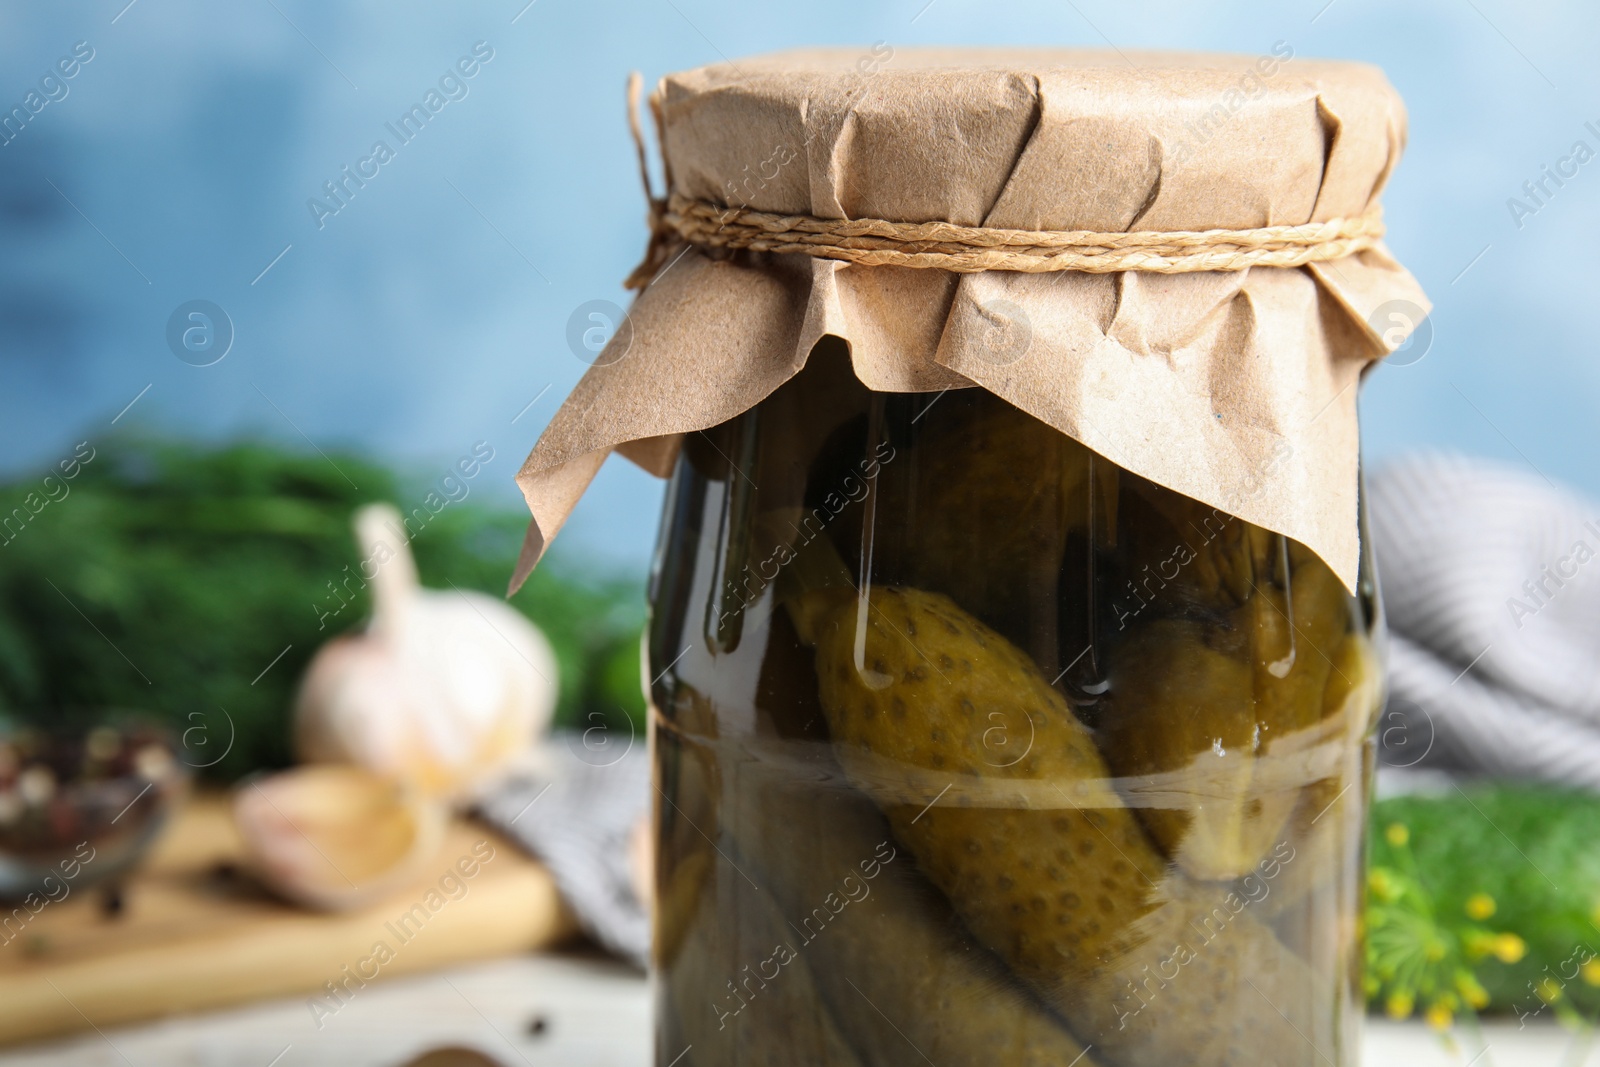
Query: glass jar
x=972, y=747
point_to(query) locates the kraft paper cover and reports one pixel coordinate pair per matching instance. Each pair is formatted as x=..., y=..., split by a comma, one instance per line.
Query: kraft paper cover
x=1235, y=388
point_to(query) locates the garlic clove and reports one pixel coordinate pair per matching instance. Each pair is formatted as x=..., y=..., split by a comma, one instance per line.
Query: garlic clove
x=336, y=837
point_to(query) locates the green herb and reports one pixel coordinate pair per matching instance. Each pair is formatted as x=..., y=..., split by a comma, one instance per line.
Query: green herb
x=193, y=585
x=1485, y=899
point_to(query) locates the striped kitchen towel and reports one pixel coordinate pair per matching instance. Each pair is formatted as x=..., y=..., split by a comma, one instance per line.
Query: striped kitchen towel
x=578, y=806
x=1491, y=583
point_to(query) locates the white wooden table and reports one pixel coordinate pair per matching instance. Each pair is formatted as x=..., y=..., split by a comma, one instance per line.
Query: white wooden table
x=595, y=1013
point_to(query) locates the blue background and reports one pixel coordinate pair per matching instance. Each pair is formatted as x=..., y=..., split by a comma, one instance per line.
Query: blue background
x=430, y=310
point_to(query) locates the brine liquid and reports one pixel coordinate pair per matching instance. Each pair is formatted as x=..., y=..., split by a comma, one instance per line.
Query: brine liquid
x=971, y=747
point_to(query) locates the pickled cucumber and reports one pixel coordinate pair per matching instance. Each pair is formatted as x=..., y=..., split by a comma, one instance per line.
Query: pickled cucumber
x=1033, y=849
x=1184, y=557
x=725, y=1010
x=1179, y=725
x=1195, y=705
x=899, y=974
x=1012, y=484
x=1326, y=826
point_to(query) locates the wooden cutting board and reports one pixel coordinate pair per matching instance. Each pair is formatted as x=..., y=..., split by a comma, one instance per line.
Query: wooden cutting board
x=194, y=935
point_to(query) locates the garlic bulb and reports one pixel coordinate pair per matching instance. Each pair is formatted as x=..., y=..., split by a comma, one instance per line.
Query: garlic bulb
x=335, y=838
x=442, y=689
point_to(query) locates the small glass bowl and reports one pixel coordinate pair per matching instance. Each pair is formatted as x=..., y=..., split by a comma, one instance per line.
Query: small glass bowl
x=80, y=807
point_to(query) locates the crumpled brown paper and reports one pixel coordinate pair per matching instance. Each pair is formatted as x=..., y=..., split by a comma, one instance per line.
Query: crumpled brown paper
x=1235, y=388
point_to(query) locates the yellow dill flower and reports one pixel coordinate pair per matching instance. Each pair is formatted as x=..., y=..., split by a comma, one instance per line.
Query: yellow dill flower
x=1399, y=1005
x=1591, y=971
x=1548, y=989
x=1382, y=885
x=1472, y=991
x=1397, y=835
x=1440, y=1017
x=1480, y=906
x=1508, y=948
x=1434, y=950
